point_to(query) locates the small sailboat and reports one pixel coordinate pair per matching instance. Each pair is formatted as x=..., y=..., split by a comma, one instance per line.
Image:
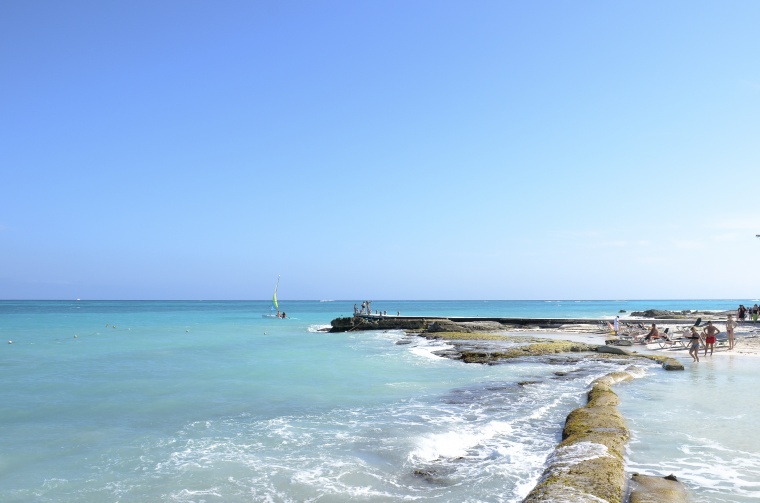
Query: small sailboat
x=274, y=309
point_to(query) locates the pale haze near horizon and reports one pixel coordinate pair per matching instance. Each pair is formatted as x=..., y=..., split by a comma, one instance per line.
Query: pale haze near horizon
x=379, y=150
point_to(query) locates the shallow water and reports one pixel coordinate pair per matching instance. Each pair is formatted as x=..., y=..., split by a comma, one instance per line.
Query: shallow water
x=209, y=401
x=699, y=425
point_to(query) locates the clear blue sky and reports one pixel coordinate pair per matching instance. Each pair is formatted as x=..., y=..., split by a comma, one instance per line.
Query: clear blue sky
x=379, y=149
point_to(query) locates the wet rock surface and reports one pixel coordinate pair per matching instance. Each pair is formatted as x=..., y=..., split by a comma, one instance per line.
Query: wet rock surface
x=588, y=463
x=652, y=489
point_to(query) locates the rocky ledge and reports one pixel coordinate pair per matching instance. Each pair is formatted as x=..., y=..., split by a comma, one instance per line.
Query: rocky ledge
x=351, y=323
x=588, y=464
x=648, y=488
x=490, y=348
x=658, y=314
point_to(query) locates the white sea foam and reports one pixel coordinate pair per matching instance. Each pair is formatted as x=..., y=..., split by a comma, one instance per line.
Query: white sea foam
x=569, y=455
x=195, y=495
x=318, y=328
x=427, y=351
x=457, y=444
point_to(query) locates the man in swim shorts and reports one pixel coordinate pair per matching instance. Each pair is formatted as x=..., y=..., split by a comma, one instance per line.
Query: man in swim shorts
x=710, y=333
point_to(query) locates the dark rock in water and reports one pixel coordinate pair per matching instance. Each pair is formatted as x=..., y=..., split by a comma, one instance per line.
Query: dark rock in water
x=451, y=354
x=622, y=311
x=403, y=341
x=570, y=375
x=613, y=350
x=648, y=488
x=350, y=323
x=672, y=364
x=524, y=383
x=618, y=342
x=427, y=475
x=657, y=314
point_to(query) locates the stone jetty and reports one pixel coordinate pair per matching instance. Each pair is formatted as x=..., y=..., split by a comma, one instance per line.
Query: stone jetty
x=393, y=322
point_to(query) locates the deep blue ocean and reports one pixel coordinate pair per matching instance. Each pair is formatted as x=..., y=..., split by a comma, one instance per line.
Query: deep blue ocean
x=209, y=401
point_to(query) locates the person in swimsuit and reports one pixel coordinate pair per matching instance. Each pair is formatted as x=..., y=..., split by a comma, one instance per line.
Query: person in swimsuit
x=710, y=333
x=652, y=335
x=694, y=346
x=730, y=326
x=649, y=337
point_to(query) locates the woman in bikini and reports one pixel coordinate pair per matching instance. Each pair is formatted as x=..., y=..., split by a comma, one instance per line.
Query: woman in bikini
x=694, y=346
x=730, y=326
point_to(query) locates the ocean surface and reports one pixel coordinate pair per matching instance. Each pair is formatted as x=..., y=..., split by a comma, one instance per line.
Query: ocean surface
x=209, y=401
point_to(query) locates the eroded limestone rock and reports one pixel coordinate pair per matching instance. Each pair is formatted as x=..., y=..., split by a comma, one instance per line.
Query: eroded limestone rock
x=651, y=489
x=588, y=463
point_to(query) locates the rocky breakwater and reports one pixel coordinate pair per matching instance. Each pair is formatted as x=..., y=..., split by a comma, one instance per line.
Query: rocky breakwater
x=686, y=314
x=427, y=325
x=588, y=464
x=351, y=323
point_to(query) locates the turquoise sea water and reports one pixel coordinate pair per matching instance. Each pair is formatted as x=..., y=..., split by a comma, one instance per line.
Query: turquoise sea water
x=193, y=401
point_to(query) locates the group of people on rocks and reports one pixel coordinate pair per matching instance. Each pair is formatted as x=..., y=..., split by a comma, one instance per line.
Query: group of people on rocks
x=366, y=309
x=744, y=312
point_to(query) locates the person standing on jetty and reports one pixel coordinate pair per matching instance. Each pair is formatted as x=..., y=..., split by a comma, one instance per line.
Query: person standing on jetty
x=616, y=324
x=694, y=346
x=755, y=312
x=710, y=333
x=730, y=326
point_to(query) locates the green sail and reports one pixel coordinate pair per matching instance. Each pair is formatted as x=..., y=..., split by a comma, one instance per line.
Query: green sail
x=274, y=297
